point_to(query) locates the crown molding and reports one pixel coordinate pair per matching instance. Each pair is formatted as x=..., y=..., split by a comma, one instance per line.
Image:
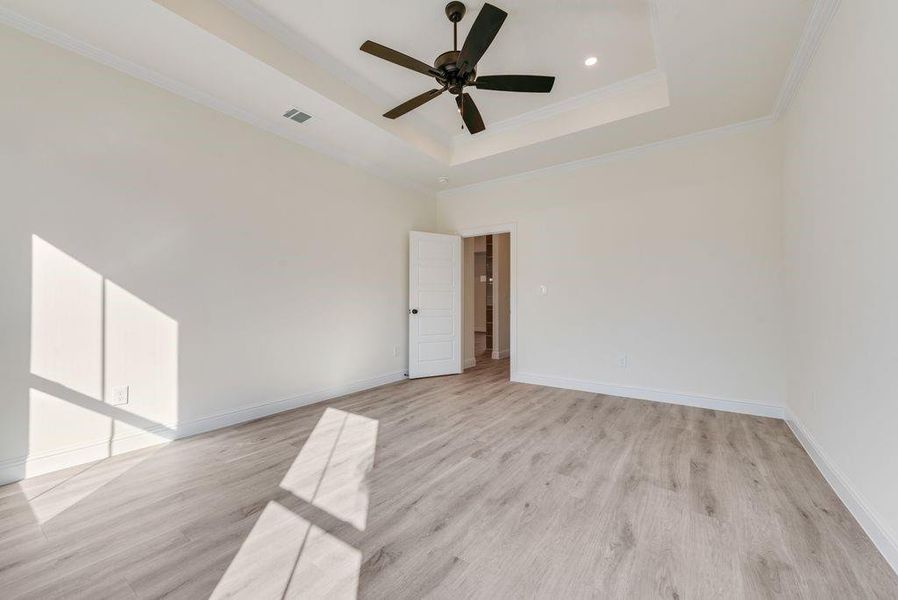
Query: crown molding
x=569, y=104
x=822, y=13
x=252, y=13
x=581, y=163
x=276, y=28
x=67, y=42
x=587, y=98
x=366, y=86
x=249, y=11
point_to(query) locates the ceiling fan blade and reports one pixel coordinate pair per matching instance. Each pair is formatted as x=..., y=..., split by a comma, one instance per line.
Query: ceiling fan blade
x=469, y=113
x=515, y=83
x=413, y=103
x=397, y=58
x=482, y=33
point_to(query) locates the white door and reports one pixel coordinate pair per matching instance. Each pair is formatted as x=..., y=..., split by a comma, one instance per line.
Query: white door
x=434, y=304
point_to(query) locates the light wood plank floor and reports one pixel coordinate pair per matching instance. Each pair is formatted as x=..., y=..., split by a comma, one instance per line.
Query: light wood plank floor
x=479, y=488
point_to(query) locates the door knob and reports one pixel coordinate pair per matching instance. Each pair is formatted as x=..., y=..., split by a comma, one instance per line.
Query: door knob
x=414, y=311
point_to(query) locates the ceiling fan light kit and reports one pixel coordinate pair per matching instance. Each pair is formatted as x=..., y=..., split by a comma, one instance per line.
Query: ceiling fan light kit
x=456, y=69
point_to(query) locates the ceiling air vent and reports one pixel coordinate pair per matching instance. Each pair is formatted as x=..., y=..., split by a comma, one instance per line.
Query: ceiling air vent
x=295, y=115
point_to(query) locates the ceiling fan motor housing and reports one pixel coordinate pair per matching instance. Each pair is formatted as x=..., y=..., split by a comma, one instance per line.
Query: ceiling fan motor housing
x=447, y=64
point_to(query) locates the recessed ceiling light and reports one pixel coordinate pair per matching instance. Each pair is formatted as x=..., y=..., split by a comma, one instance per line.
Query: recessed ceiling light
x=590, y=61
x=443, y=180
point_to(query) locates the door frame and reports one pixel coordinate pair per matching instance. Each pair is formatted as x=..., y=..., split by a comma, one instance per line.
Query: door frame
x=511, y=229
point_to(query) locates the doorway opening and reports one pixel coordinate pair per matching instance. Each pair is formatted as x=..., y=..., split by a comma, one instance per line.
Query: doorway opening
x=488, y=299
x=443, y=289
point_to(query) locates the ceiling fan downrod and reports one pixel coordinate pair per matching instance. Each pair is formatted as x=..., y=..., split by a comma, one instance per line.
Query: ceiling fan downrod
x=456, y=12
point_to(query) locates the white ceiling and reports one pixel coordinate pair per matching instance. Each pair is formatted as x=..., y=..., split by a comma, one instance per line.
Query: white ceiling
x=538, y=37
x=666, y=69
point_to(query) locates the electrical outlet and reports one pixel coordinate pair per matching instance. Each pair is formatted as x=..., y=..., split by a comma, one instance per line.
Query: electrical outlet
x=623, y=360
x=396, y=351
x=119, y=395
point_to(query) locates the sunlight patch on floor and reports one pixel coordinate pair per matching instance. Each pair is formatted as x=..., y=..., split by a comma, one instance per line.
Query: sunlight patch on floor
x=285, y=556
x=54, y=501
x=331, y=470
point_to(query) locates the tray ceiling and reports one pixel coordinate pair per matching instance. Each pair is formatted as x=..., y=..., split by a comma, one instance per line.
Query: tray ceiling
x=665, y=69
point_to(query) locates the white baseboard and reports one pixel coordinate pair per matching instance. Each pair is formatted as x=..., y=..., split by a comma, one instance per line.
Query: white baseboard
x=737, y=406
x=15, y=469
x=497, y=354
x=257, y=411
x=470, y=362
x=867, y=518
x=18, y=468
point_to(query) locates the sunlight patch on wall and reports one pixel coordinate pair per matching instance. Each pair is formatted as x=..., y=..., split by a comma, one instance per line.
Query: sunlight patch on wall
x=66, y=320
x=141, y=353
x=105, y=364
x=57, y=425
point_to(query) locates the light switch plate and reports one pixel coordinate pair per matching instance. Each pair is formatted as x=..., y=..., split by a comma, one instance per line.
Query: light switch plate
x=119, y=395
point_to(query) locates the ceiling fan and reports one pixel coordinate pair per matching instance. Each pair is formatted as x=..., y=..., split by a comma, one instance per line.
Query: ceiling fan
x=456, y=69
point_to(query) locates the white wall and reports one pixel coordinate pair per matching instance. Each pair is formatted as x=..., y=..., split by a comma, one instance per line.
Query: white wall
x=841, y=199
x=147, y=241
x=672, y=257
x=151, y=242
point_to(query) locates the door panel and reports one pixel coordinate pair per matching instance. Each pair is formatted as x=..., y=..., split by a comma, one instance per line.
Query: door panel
x=436, y=326
x=434, y=320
